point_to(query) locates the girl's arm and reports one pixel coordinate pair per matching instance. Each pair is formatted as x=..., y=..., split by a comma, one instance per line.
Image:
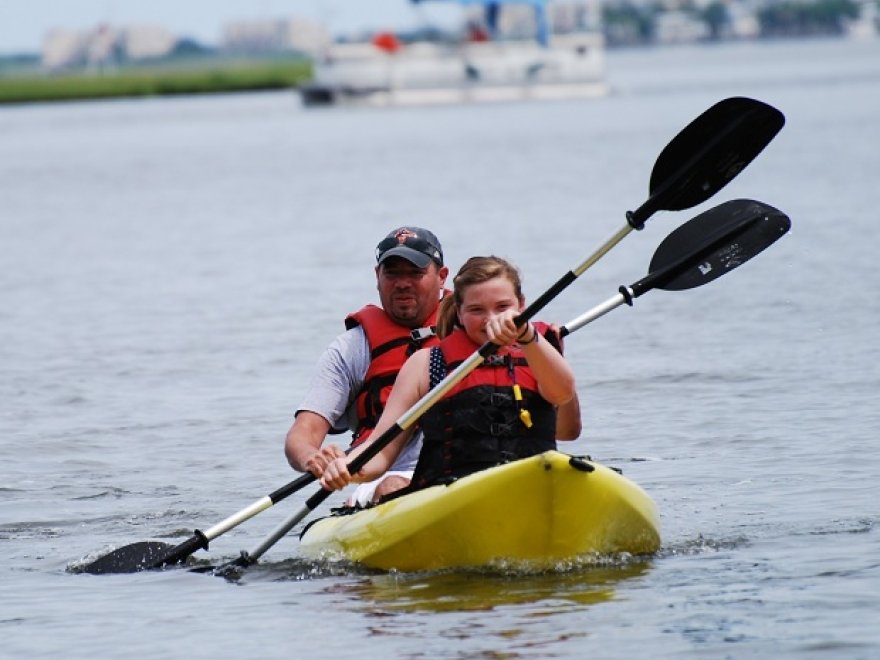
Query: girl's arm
x=568, y=420
x=555, y=378
x=410, y=386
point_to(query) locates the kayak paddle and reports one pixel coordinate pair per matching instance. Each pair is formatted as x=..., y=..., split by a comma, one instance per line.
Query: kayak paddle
x=700, y=251
x=703, y=158
x=155, y=554
x=700, y=160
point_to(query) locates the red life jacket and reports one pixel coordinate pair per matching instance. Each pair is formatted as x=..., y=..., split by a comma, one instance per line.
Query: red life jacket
x=390, y=345
x=480, y=422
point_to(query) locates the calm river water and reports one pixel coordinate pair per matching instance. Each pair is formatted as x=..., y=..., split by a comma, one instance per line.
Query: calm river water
x=171, y=269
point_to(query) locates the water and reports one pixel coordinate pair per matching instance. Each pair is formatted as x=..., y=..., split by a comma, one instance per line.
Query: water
x=171, y=269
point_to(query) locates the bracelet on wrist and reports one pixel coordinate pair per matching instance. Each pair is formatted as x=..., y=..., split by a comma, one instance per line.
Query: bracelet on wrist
x=534, y=338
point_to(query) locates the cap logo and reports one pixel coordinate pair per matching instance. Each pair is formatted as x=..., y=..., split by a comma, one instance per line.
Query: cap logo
x=406, y=241
x=403, y=235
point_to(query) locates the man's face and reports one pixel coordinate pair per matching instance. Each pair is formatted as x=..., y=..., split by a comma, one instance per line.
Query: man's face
x=409, y=294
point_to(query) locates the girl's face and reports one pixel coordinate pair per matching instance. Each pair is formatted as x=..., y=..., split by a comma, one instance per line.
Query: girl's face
x=481, y=302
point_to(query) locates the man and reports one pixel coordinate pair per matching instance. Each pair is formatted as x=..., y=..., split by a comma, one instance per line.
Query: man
x=356, y=372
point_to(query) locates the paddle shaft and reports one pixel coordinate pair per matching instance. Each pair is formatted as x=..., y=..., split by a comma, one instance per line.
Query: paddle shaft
x=726, y=235
x=409, y=418
x=726, y=245
x=415, y=412
x=718, y=155
x=699, y=161
x=720, y=237
x=199, y=540
x=717, y=160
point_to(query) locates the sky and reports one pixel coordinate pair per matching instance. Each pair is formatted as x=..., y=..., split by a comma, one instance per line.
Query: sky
x=23, y=23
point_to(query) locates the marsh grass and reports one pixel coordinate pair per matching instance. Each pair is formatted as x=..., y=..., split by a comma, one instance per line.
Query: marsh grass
x=215, y=77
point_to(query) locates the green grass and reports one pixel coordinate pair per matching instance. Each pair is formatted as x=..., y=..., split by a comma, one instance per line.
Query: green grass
x=154, y=81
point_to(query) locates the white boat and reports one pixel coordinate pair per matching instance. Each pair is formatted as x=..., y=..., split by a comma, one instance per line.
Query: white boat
x=381, y=73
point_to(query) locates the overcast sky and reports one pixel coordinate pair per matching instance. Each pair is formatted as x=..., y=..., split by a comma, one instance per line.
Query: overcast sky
x=23, y=23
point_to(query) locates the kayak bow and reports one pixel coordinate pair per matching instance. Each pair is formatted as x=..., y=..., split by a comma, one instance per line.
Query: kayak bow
x=540, y=511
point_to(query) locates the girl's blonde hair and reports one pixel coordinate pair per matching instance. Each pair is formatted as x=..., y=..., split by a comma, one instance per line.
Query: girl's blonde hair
x=475, y=270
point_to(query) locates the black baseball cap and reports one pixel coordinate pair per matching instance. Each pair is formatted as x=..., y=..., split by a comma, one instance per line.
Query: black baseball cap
x=416, y=245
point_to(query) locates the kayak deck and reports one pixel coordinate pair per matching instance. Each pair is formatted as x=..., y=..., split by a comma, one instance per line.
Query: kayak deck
x=539, y=510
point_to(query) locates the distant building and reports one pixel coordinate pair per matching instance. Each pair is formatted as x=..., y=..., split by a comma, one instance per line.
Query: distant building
x=64, y=48
x=744, y=24
x=676, y=27
x=519, y=22
x=104, y=46
x=140, y=42
x=273, y=36
x=575, y=16
x=867, y=25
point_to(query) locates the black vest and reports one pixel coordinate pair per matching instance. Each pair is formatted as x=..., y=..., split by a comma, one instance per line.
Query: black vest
x=480, y=425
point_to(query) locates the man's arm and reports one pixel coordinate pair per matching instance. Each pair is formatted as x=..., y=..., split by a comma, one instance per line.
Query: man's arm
x=339, y=374
x=303, y=444
x=568, y=420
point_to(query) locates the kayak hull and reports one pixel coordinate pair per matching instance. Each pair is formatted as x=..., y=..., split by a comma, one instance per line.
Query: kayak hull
x=541, y=511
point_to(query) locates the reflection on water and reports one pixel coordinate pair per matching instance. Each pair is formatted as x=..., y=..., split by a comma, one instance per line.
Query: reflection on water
x=174, y=267
x=465, y=591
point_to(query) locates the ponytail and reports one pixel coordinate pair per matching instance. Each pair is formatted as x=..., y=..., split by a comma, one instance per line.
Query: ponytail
x=447, y=316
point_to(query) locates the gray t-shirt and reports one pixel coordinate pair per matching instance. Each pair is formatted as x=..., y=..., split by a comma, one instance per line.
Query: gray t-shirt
x=337, y=379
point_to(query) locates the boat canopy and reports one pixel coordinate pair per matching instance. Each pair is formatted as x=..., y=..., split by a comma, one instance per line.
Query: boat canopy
x=493, y=7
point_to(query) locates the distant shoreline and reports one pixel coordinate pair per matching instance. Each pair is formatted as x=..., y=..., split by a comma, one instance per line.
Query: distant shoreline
x=23, y=81
x=154, y=81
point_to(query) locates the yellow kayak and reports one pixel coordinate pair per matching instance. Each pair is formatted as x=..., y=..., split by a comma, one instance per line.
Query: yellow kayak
x=540, y=510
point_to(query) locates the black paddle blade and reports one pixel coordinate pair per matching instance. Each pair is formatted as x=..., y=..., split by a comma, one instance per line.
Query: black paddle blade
x=714, y=243
x=708, y=153
x=128, y=559
x=145, y=555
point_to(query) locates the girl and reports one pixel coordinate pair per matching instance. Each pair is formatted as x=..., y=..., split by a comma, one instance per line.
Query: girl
x=503, y=410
